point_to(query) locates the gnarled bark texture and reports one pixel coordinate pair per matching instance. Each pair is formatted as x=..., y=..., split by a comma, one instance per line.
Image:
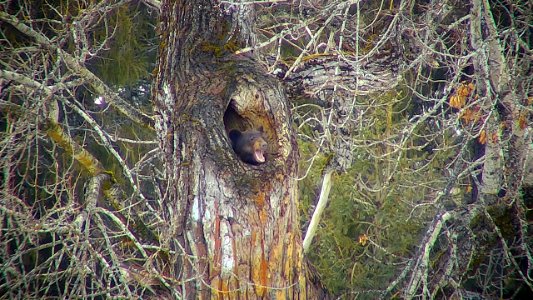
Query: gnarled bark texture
x=235, y=224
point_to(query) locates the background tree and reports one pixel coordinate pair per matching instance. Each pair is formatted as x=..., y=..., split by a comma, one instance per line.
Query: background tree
x=418, y=112
x=69, y=139
x=419, y=151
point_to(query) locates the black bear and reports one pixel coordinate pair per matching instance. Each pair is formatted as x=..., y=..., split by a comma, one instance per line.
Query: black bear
x=250, y=145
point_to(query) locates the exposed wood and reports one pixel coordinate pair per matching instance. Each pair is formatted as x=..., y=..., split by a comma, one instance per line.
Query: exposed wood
x=321, y=205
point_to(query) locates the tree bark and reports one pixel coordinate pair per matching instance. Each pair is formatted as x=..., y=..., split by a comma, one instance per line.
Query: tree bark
x=235, y=224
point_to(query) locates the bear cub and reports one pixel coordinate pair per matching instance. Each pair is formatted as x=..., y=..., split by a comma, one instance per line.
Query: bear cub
x=250, y=145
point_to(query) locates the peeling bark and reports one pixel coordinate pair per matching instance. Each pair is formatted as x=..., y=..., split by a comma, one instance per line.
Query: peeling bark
x=348, y=76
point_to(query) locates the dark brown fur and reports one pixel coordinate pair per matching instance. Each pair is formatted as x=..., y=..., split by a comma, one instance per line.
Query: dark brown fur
x=250, y=145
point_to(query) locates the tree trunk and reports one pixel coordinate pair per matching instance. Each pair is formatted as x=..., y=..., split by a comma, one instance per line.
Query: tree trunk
x=235, y=224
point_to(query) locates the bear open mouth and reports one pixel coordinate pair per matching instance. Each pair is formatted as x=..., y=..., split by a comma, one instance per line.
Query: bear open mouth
x=259, y=157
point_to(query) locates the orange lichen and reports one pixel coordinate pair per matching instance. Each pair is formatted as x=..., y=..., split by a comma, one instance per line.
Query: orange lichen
x=260, y=199
x=257, y=257
x=287, y=268
x=224, y=289
x=263, y=277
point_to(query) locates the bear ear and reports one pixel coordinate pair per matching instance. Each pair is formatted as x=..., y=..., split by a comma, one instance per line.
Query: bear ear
x=234, y=135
